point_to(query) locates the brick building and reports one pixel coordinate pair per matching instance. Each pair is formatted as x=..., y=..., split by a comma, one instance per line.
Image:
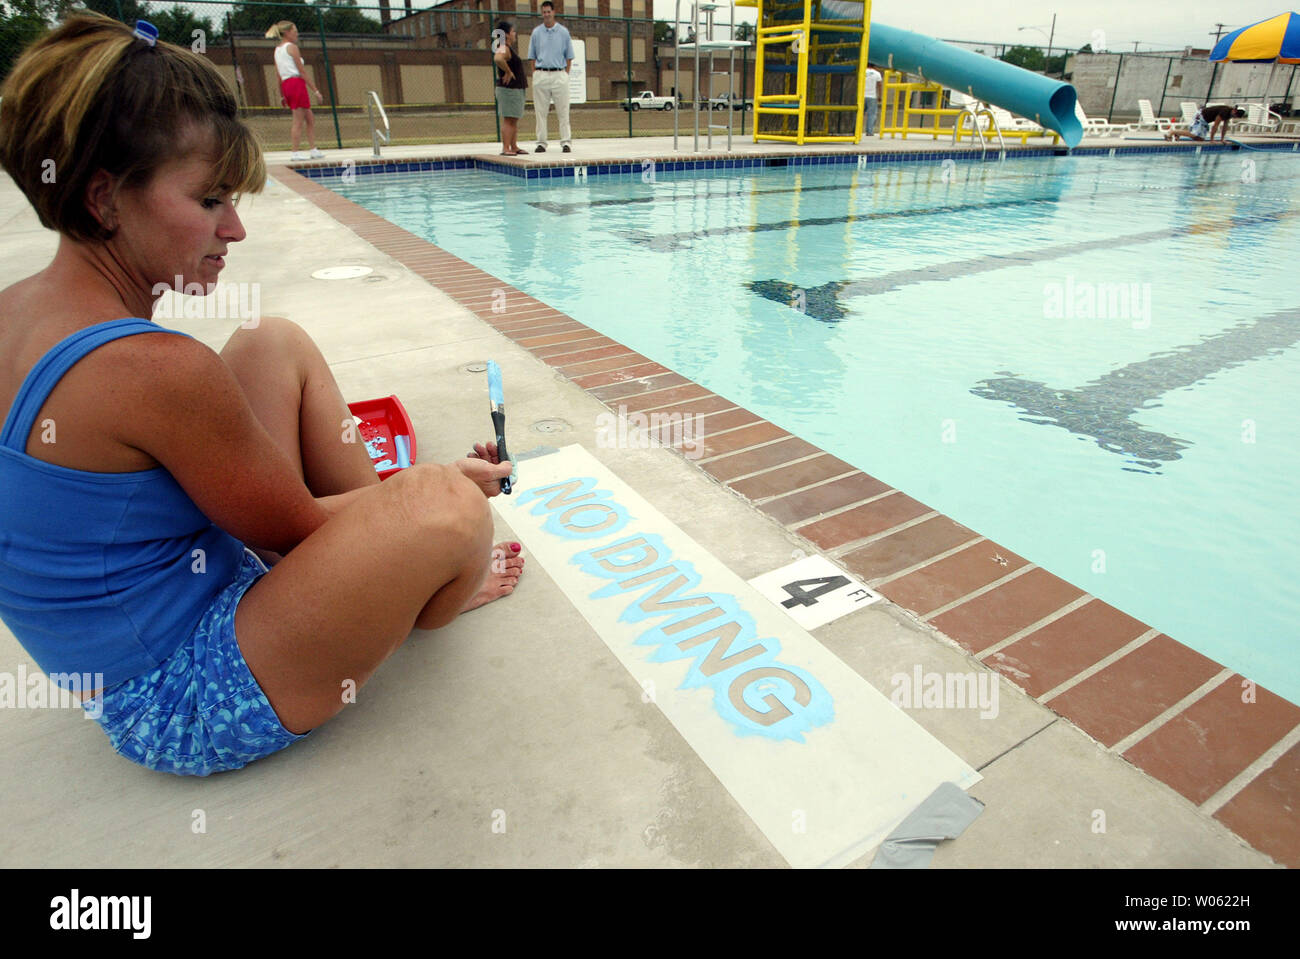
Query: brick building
x=467, y=25
x=439, y=57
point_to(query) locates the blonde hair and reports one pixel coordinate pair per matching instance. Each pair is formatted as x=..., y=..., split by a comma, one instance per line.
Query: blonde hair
x=93, y=96
x=278, y=30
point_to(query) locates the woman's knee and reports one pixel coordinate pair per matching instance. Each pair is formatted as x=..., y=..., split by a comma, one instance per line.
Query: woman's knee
x=269, y=337
x=443, y=502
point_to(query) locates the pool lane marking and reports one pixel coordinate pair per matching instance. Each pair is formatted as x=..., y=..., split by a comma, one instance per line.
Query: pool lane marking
x=568, y=209
x=822, y=762
x=1103, y=409
x=671, y=242
x=823, y=302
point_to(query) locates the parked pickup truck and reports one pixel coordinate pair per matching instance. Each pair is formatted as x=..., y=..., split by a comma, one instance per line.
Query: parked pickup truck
x=646, y=100
x=721, y=102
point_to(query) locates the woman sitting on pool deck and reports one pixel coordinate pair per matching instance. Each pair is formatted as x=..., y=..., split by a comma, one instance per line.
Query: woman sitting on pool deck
x=137, y=465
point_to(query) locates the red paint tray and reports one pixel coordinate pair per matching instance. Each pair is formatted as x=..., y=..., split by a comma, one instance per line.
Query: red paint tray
x=386, y=430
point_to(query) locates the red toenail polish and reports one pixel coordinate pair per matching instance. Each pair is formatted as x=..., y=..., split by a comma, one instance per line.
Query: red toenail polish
x=516, y=547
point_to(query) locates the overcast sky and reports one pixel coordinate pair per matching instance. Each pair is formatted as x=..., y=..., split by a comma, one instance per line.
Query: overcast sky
x=1161, y=24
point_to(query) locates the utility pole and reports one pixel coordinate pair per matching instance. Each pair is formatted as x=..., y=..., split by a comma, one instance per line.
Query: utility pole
x=1218, y=31
x=1049, y=43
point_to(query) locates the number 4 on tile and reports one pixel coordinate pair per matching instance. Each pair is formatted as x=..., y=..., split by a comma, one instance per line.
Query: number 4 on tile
x=799, y=596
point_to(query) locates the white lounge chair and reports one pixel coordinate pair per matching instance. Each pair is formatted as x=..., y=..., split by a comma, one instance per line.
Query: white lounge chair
x=1096, y=127
x=1009, y=121
x=1189, y=112
x=961, y=101
x=1149, y=119
x=1259, y=119
x=1020, y=127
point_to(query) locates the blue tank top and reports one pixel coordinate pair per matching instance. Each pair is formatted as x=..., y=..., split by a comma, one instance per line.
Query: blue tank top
x=99, y=572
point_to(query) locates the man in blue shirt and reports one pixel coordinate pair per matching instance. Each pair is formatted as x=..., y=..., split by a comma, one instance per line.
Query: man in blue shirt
x=551, y=50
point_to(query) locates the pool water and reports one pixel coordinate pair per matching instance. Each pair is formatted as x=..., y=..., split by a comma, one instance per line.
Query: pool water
x=1092, y=361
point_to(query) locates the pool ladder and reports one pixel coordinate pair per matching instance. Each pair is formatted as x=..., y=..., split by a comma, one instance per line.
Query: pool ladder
x=975, y=112
x=386, y=134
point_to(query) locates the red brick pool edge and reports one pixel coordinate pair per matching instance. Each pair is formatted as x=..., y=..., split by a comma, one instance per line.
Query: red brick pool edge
x=1210, y=734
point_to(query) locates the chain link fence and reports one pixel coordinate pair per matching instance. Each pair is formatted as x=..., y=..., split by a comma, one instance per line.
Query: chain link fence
x=430, y=66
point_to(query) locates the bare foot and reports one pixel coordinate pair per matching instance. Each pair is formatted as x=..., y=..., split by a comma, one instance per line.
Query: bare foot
x=503, y=575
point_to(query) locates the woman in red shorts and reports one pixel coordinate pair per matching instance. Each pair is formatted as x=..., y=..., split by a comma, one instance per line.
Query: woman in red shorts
x=294, y=85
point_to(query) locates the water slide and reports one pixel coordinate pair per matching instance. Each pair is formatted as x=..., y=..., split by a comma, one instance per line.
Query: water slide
x=1049, y=103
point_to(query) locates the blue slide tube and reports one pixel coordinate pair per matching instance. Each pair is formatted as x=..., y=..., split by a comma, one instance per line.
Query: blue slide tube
x=1049, y=103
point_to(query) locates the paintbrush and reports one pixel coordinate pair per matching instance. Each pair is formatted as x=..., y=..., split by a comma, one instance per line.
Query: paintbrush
x=498, y=400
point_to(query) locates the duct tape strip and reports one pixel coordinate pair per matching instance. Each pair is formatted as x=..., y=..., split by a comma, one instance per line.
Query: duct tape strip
x=944, y=815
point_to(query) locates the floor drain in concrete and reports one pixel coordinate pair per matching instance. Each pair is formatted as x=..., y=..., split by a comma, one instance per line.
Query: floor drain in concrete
x=551, y=426
x=341, y=272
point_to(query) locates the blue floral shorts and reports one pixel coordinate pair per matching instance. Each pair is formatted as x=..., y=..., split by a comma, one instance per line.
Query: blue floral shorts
x=200, y=711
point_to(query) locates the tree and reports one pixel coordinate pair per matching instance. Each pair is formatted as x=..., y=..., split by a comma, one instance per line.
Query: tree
x=744, y=31
x=1033, y=58
x=663, y=32
x=21, y=23
x=1029, y=58
x=341, y=16
x=178, y=24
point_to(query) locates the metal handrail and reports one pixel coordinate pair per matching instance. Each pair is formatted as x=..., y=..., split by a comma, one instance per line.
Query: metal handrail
x=974, y=115
x=372, y=103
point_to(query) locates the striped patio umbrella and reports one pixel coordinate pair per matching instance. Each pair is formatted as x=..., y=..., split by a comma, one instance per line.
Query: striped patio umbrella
x=1275, y=40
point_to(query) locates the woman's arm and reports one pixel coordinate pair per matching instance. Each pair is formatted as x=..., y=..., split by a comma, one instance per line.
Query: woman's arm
x=302, y=67
x=189, y=413
x=502, y=59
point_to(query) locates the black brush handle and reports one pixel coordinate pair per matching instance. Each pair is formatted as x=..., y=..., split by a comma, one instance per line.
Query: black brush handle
x=499, y=424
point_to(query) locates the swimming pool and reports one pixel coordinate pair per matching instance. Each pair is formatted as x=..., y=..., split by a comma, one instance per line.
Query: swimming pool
x=1090, y=361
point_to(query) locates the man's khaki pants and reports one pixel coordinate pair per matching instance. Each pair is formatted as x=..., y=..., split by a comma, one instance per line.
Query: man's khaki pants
x=551, y=86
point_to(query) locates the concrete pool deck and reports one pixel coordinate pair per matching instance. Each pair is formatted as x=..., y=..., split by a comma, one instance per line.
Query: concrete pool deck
x=495, y=718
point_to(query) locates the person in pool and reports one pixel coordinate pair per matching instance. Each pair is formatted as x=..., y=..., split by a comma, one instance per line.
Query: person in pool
x=1201, y=128
x=138, y=467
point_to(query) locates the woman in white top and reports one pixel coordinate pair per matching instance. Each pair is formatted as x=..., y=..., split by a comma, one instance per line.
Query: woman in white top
x=293, y=86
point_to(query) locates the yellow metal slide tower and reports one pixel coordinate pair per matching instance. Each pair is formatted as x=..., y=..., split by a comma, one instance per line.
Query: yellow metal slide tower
x=802, y=69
